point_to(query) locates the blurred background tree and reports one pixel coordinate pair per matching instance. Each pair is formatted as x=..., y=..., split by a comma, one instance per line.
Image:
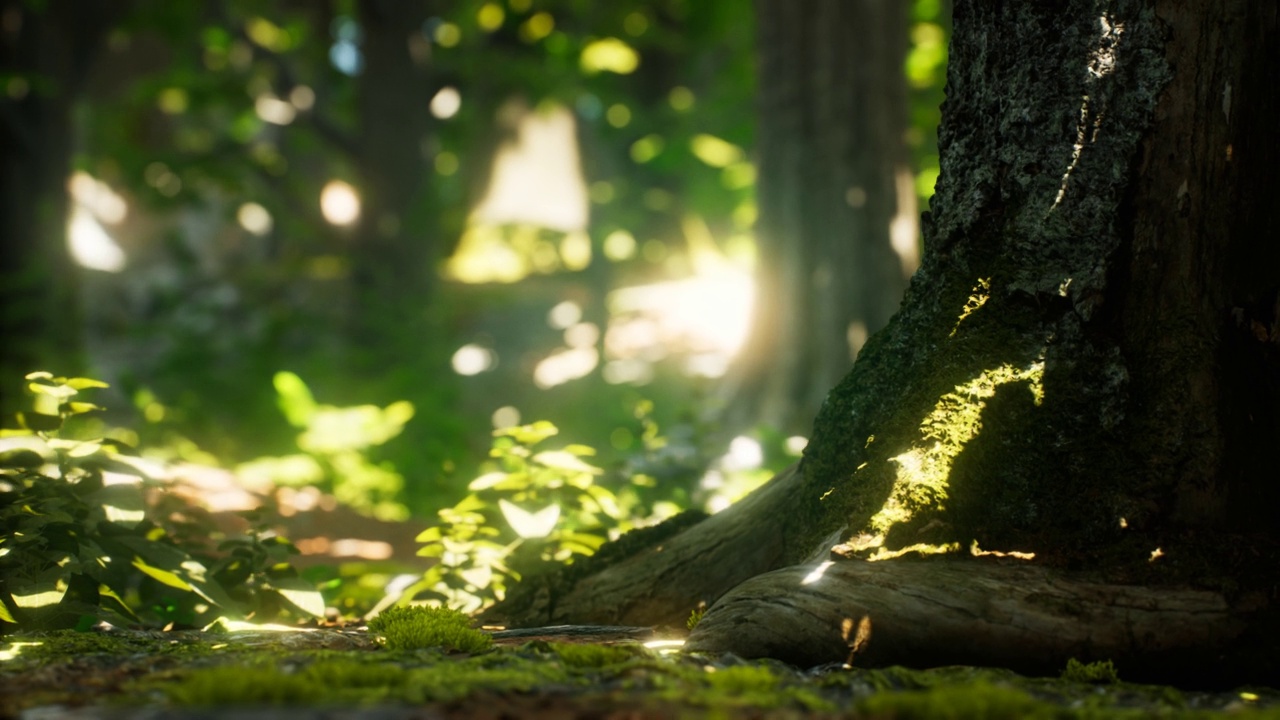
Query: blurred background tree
x=498, y=211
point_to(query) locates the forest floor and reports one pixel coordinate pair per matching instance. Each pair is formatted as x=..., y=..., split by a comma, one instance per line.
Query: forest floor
x=339, y=673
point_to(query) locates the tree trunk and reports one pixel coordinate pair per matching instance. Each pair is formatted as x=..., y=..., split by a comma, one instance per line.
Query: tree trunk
x=396, y=244
x=832, y=202
x=45, y=55
x=1085, y=372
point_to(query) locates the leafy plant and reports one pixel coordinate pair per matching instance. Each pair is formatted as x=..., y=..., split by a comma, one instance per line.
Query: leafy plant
x=335, y=443
x=417, y=627
x=537, y=504
x=695, y=617
x=76, y=546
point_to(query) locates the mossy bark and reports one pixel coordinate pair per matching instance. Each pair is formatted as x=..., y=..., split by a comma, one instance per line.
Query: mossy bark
x=1086, y=369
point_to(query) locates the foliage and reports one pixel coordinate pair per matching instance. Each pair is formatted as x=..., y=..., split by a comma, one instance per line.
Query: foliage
x=76, y=546
x=537, y=504
x=417, y=627
x=695, y=617
x=336, y=444
x=1094, y=672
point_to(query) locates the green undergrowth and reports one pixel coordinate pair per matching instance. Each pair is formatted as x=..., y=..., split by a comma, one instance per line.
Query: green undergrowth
x=229, y=670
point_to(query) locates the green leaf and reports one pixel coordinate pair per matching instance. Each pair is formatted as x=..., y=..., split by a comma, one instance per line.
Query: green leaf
x=531, y=434
x=39, y=375
x=40, y=422
x=470, y=503
x=163, y=576
x=486, y=481
x=431, y=534
x=58, y=392
x=40, y=595
x=79, y=408
x=296, y=401
x=591, y=541
x=80, y=383
x=20, y=458
x=5, y=615
x=530, y=524
x=121, y=503
x=301, y=594
x=608, y=501
x=564, y=460
x=123, y=607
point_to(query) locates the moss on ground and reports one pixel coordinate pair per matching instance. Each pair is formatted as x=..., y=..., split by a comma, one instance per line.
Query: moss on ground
x=414, y=628
x=206, y=671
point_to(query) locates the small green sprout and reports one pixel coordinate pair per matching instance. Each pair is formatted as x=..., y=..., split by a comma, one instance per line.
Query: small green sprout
x=695, y=617
x=1095, y=672
x=412, y=628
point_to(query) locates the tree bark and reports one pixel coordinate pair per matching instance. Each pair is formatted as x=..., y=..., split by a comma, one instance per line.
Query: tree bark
x=948, y=612
x=832, y=164
x=45, y=55
x=396, y=244
x=1085, y=370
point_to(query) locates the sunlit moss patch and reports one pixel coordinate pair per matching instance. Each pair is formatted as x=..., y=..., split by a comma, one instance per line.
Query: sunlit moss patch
x=415, y=628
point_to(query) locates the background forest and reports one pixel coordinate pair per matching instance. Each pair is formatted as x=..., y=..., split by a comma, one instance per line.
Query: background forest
x=361, y=260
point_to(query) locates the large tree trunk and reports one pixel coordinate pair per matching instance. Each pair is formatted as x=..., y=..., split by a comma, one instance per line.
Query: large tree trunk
x=1085, y=370
x=45, y=55
x=396, y=238
x=835, y=199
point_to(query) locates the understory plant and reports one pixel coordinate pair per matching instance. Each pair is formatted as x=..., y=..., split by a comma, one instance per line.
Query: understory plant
x=536, y=504
x=335, y=443
x=77, y=545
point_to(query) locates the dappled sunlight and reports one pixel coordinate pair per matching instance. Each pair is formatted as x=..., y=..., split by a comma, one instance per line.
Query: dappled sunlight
x=705, y=316
x=976, y=551
x=924, y=471
x=533, y=216
x=95, y=204
x=11, y=651
x=914, y=549
x=904, y=228
x=91, y=245
x=736, y=474
x=272, y=109
x=254, y=218
x=565, y=365
x=817, y=573
x=473, y=359
x=980, y=294
x=609, y=55
x=537, y=177
x=346, y=548
x=1102, y=62
x=339, y=203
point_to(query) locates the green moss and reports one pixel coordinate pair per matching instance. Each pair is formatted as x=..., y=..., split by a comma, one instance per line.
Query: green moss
x=74, y=643
x=743, y=679
x=974, y=702
x=595, y=656
x=414, y=628
x=356, y=681
x=1094, y=672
